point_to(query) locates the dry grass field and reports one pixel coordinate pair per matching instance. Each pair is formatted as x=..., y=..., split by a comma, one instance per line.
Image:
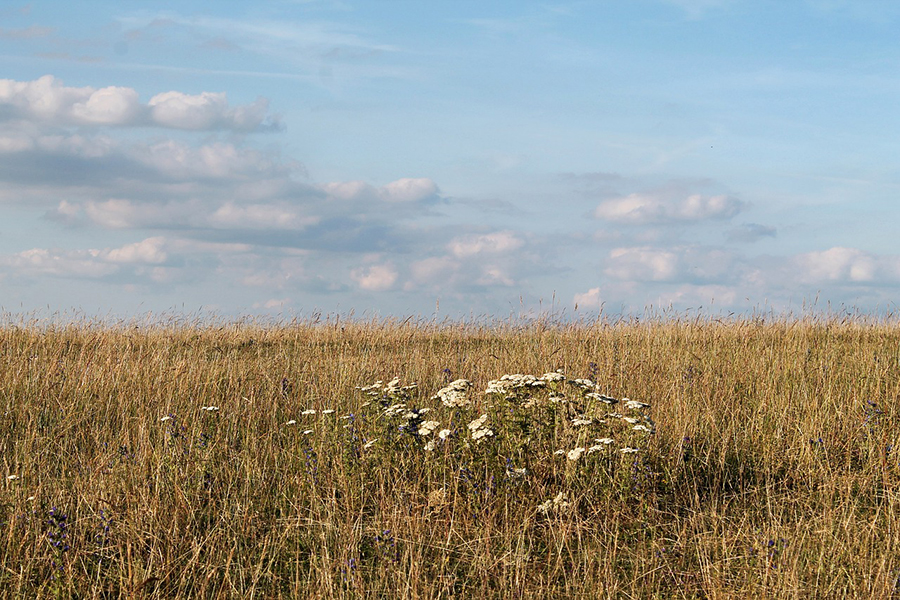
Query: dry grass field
x=244, y=461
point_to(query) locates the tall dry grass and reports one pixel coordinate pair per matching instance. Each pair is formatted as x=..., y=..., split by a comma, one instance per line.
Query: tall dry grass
x=773, y=471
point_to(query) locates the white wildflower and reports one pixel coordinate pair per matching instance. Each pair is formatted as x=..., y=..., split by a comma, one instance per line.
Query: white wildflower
x=643, y=428
x=12, y=477
x=328, y=411
x=291, y=422
x=444, y=434
x=557, y=503
x=575, y=453
x=631, y=420
x=478, y=423
x=210, y=408
x=553, y=377
x=482, y=434
x=585, y=384
x=307, y=431
x=596, y=448
x=634, y=404
x=602, y=398
x=606, y=441
x=454, y=394
x=559, y=452
x=309, y=411
x=516, y=472
x=428, y=427
x=557, y=398
x=629, y=450
x=581, y=421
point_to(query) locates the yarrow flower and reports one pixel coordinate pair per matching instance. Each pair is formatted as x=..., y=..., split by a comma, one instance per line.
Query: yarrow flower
x=478, y=429
x=556, y=504
x=428, y=427
x=444, y=434
x=291, y=422
x=454, y=395
x=309, y=411
x=581, y=421
x=210, y=408
x=575, y=453
x=602, y=398
x=634, y=404
x=629, y=450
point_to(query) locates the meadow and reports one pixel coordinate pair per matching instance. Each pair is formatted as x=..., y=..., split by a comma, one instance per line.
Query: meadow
x=655, y=458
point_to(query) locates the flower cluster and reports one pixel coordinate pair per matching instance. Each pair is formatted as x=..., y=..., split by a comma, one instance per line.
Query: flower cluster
x=479, y=429
x=454, y=395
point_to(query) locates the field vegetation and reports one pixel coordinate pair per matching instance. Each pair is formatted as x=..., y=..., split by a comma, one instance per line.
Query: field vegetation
x=656, y=458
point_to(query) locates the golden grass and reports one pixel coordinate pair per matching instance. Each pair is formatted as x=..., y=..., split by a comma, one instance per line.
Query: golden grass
x=773, y=472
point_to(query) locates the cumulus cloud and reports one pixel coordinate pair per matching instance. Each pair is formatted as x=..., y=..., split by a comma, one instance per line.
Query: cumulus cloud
x=47, y=100
x=375, y=278
x=590, y=299
x=679, y=263
x=839, y=264
x=641, y=209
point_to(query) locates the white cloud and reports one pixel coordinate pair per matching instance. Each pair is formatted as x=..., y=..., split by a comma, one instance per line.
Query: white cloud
x=643, y=209
x=376, y=278
x=492, y=243
x=642, y=264
x=590, y=299
x=836, y=264
x=259, y=216
x=406, y=190
x=47, y=100
x=148, y=251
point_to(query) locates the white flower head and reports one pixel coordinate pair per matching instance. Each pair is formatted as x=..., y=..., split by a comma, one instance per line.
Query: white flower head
x=309, y=411
x=210, y=408
x=629, y=450
x=482, y=434
x=328, y=411
x=643, y=428
x=581, y=421
x=428, y=427
x=455, y=394
x=553, y=377
x=575, y=453
x=430, y=446
x=634, y=404
x=307, y=431
x=478, y=423
x=444, y=434
x=291, y=422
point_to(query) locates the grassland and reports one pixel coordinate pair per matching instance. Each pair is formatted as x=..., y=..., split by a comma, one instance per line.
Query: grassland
x=162, y=461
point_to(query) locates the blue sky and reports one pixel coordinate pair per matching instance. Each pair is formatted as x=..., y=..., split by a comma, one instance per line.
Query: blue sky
x=489, y=158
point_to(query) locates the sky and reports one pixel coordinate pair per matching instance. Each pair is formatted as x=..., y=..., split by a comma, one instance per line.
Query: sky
x=449, y=159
